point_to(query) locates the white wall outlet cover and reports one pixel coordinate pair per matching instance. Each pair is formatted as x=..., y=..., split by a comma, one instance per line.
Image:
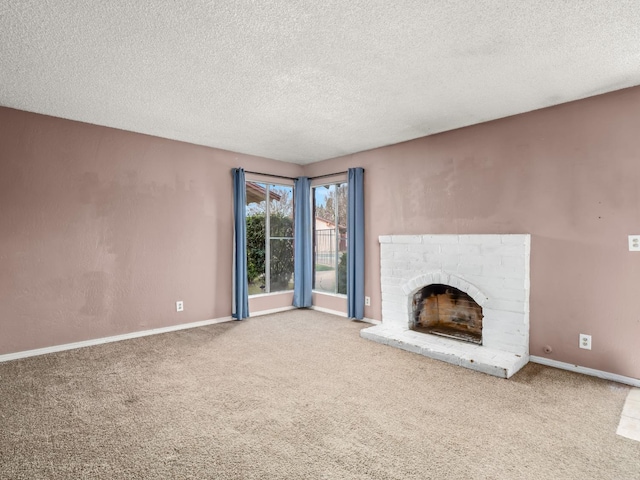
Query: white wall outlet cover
x=367, y=301
x=179, y=306
x=634, y=243
x=585, y=341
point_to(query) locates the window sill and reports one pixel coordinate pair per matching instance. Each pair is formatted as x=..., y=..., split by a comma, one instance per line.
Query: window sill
x=260, y=295
x=321, y=292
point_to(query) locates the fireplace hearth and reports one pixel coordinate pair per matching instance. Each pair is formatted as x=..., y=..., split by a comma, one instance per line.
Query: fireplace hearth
x=462, y=299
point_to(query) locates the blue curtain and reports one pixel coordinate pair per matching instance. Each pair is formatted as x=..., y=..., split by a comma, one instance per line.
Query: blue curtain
x=355, y=244
x=303, y=251
x=240, y=283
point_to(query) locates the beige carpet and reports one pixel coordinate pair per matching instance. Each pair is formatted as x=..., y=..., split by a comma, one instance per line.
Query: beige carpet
x=299, y=395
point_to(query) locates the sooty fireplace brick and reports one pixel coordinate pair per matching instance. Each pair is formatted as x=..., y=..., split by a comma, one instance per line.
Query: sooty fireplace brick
x=446, y=311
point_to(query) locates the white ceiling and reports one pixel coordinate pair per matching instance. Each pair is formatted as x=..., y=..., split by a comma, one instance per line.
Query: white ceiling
x=306, y=80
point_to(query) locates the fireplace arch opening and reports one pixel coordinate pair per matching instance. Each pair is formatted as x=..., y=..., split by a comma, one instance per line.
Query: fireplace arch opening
x=447, y=311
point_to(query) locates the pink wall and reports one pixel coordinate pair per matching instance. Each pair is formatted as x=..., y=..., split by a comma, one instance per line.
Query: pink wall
x=568, y=175
x=262, y=303
x=330, y=302
x=102, y=230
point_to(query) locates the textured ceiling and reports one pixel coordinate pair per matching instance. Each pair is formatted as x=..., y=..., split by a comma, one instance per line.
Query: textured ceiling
x=306, y=80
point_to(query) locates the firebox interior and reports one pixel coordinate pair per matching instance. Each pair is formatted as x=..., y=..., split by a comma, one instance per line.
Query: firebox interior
x=444, y=310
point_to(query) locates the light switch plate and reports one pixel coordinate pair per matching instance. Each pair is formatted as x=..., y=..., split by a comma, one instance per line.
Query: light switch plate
x=634, y=243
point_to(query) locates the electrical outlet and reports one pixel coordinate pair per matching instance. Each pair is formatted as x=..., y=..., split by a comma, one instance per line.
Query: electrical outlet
x=585, y=341
x=367, y=301
x=634, y=243
x=179, y=306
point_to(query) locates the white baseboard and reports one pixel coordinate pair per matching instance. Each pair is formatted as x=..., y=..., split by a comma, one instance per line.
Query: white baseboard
x=269, y=312
x=328, y=310
x=116, y=338
x=634, y=382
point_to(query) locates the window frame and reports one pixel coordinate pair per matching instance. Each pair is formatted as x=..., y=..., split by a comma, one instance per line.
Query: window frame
x=269, y=182
x=337, y=180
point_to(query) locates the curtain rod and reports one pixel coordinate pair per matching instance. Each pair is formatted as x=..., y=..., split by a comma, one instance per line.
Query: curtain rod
x=293, y=178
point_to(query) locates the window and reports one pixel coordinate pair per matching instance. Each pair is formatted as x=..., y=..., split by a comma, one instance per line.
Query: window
x=269, y=237
x=330, y=238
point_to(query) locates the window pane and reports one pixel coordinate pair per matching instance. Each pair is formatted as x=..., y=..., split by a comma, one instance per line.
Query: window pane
x=281, y=210
x=256, y=198
x=341, y=200
x=324, y=239
x=329, y=238
x=342, y=274
x=256, y=230
x=325, y=274
x=281, y=265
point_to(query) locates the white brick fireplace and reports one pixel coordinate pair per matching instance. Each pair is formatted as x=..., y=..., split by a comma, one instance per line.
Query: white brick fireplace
x=492, y=269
